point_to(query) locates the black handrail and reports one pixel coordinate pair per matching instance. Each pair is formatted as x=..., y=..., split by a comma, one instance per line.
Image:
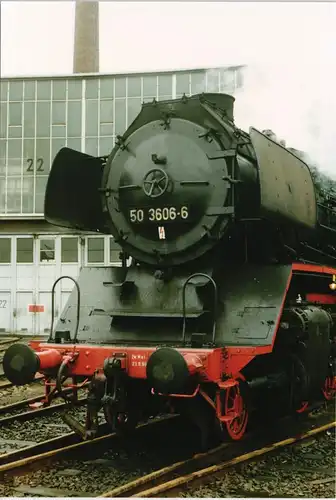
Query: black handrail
x=203, y=275
x=53, y=306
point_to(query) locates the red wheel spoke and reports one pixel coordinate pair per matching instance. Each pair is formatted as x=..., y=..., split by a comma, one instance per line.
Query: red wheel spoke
x=235, y=408
x=329, y=388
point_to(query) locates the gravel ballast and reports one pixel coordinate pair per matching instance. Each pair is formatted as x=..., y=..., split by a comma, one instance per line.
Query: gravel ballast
x=306, y=469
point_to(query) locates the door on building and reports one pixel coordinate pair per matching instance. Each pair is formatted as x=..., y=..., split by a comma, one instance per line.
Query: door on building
x=6, y=270
x=24, y=284
x=5, y=312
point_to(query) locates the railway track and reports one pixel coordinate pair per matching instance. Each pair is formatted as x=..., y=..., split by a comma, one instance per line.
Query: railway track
x=16, y=415
x=172, y=480
x=5, y=384
x=6, y=341
x=30, y=458
x=70, y=467
x=31, y=429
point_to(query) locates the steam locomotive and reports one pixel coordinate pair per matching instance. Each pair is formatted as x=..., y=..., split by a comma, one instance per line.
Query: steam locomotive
x=228, y=306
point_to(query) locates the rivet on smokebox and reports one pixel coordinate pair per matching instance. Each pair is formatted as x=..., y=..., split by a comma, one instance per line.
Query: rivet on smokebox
x=87, y=367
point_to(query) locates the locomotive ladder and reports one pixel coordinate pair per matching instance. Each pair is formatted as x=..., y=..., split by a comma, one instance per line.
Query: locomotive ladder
x=215, y=295
x=53, y=308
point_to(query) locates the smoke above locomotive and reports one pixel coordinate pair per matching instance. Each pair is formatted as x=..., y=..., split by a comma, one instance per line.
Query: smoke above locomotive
x=179, y=177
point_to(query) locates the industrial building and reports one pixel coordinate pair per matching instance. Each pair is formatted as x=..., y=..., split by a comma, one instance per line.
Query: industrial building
x=38, y=117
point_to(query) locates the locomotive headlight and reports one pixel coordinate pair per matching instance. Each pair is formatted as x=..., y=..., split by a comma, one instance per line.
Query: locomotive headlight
x=169, y=372
x=332, y=285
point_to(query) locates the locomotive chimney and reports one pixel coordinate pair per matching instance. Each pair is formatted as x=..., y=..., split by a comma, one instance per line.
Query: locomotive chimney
x=86, y=44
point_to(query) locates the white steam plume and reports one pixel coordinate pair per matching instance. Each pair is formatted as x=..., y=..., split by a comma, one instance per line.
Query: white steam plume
x=297, y=102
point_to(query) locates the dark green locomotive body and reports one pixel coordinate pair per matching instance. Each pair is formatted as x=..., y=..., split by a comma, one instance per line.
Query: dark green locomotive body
x=232, y=281
x=183, y=179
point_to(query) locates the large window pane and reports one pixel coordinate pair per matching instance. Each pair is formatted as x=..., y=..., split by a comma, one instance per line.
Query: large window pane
x=29, y=119
x=3, y=91
x=133, y=109
x=56, y=145
x=41, y=183
x=105, y=146
x=165, y=85
x=212, y=81
x=2, y=193
x=15, y=113
x=91, y=146
x=150, y=86
x=91, y=118
x=134, y=86
x=29, y=90
x=42, y=163
x=3, y=119
x=47, y=250
x=120, y=87
x=239, y=77
x=15, y=132
x=5, y=250
x=43, y=119
x=28, y=195
x=69, y=250
x=3, y=143
x=14, y=166
x=91, y=90
x=182, y=83
x=106, y=111
x=74, y=118
x=58, y=113
x=197, y=83
x=24, y=250
x=16, y=90
x=28, y=157
x=75, y=143
x=106, y=129
x=58, y=131
x=115, y=250
x=75, y=89
x=43, y=90
x=95, y=250
x=59, y=90
x=227, y=80
x=106, y=88
x=14, y=148
x=14, y=194
x=120, y=116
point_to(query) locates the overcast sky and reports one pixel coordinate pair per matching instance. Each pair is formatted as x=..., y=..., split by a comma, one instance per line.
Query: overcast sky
x=293, y=43
x=37, y=37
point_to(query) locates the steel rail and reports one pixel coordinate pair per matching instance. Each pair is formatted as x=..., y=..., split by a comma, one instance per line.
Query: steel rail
x=39, y=412
x=143, y=486
x=8, y=385
x=21, y=404
x=15, y=463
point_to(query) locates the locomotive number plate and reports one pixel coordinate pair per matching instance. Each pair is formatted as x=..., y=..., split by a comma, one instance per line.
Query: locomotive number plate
x=166, y=214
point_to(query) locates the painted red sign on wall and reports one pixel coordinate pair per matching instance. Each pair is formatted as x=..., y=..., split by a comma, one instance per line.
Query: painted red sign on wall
x=35, y=308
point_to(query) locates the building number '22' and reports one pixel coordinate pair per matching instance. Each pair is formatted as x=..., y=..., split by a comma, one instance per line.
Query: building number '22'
x=158, y=214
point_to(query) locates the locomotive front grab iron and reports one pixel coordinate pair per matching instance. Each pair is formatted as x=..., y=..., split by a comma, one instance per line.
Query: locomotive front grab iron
x=229, y=304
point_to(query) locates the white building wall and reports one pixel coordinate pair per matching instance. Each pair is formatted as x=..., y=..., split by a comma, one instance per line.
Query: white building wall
x=30, y=264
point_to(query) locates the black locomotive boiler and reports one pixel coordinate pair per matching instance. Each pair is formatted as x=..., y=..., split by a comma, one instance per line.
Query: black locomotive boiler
x=229, y=303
